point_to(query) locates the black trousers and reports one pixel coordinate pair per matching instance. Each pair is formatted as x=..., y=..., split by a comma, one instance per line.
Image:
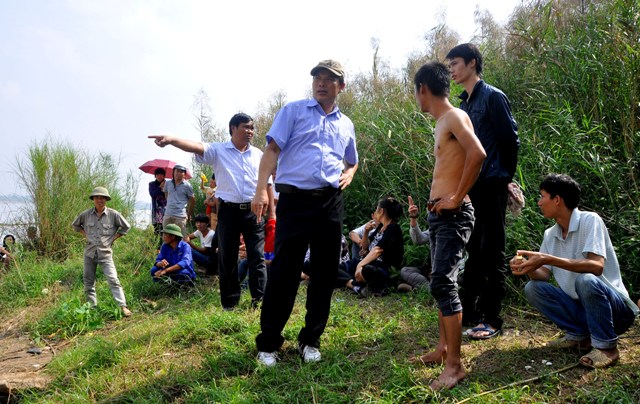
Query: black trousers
x=483, y=280
x=376, y=277
x=232, y=222
x=304, y=221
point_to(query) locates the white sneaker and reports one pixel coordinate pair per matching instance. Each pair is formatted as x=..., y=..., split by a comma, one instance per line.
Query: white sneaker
x=309, y=353
x=268, y=359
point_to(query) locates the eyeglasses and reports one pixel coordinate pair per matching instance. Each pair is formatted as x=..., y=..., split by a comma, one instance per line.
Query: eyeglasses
x=325, y=79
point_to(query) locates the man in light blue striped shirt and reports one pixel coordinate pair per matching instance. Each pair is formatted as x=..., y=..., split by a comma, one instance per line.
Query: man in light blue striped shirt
x=314, y=146
x=235, y=165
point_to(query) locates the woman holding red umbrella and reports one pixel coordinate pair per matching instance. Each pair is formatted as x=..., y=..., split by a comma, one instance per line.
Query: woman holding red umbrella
x=158, y=202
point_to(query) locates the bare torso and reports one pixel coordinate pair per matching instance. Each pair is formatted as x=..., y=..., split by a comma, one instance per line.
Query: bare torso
x=450, y=158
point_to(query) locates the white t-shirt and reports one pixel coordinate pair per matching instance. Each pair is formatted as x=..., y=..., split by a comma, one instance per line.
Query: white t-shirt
x=205, y=241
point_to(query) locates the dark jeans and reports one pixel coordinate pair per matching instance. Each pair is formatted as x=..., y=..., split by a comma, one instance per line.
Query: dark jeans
x=483, y=279
x=346, y=271
x=599, y=312
x=204, y=260
x=232, y=222
x=304, y=221
x=448, y=234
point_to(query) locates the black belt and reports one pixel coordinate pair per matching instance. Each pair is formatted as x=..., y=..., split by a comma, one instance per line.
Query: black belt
x=241, y=206
x=290, y=189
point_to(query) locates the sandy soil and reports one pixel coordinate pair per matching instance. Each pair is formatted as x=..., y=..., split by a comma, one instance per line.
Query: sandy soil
x=21, y=360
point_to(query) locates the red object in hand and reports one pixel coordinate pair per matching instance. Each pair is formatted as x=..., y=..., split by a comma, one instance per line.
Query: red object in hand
x=270, y=236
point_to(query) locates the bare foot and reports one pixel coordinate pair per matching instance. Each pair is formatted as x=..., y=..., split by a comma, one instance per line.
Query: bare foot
x=436, y=357
x=449, y=377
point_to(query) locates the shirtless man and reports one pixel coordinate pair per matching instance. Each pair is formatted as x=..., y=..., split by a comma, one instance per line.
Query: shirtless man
x=459, y=156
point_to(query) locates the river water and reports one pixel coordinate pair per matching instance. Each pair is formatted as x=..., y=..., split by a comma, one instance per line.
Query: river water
x=14, y=217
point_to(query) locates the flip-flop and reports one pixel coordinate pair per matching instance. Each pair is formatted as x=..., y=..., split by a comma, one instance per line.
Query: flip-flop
x=598, y=360
x=491, y=333
x=467, y=332
x=470, y=331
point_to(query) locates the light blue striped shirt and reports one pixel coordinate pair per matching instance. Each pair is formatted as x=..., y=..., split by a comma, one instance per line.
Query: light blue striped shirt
x=236, y=171
x=587, y=233
x=313, y=144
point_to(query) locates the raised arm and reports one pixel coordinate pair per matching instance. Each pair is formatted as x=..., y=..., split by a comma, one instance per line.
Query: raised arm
x=417, y=235
x=182, y=144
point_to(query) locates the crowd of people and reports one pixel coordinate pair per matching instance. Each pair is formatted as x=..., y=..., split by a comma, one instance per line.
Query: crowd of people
x=309, y=159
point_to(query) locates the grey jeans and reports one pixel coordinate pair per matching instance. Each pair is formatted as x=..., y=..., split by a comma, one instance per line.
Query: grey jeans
x=109, y=270
x=415, y=277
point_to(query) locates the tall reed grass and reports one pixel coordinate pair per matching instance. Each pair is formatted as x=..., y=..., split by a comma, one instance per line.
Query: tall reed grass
x=59, y=178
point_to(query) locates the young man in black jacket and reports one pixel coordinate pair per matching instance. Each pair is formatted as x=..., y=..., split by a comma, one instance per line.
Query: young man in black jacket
x=483, y=280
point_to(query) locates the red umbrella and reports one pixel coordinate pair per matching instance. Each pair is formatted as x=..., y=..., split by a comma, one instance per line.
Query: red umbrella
x=150, y=166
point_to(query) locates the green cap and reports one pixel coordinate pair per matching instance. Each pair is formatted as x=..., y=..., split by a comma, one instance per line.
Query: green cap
x=100, y=191
x=172, y=229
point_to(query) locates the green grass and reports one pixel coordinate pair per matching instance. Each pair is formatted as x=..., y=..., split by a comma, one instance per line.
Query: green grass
x=180, y=346
x=571, y=77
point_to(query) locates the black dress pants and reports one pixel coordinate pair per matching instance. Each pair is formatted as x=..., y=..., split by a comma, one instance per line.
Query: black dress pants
x=304, y=221
x=483, y=279
x=232, y=222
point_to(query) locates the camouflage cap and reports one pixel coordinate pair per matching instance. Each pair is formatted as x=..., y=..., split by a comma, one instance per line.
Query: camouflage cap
x=333, y=66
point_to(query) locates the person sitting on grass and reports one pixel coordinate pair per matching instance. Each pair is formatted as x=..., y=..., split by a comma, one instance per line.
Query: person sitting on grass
x=6, y=251
x=359, y=249
x=202, y=254
x=386, y=250
x=174, y=262
x=415, y=277
x=358, y=240
x=590, y=304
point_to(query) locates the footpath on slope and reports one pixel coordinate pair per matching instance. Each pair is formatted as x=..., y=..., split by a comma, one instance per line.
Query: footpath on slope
x=21, y=360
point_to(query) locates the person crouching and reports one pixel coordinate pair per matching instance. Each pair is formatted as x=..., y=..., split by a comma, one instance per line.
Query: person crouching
x=174, y=262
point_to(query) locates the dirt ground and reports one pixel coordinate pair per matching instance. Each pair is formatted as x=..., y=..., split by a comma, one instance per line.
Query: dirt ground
x=21, y=361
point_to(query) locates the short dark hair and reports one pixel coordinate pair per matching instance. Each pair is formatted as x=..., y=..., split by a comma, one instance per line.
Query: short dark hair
x=392, y=207
x=202, y=219
x=468, y=52
x=563, y=186
x=435, y=76
x=237, y=119
x=159, y=170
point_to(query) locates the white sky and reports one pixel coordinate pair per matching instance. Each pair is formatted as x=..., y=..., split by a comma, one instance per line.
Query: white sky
x=105, y=74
